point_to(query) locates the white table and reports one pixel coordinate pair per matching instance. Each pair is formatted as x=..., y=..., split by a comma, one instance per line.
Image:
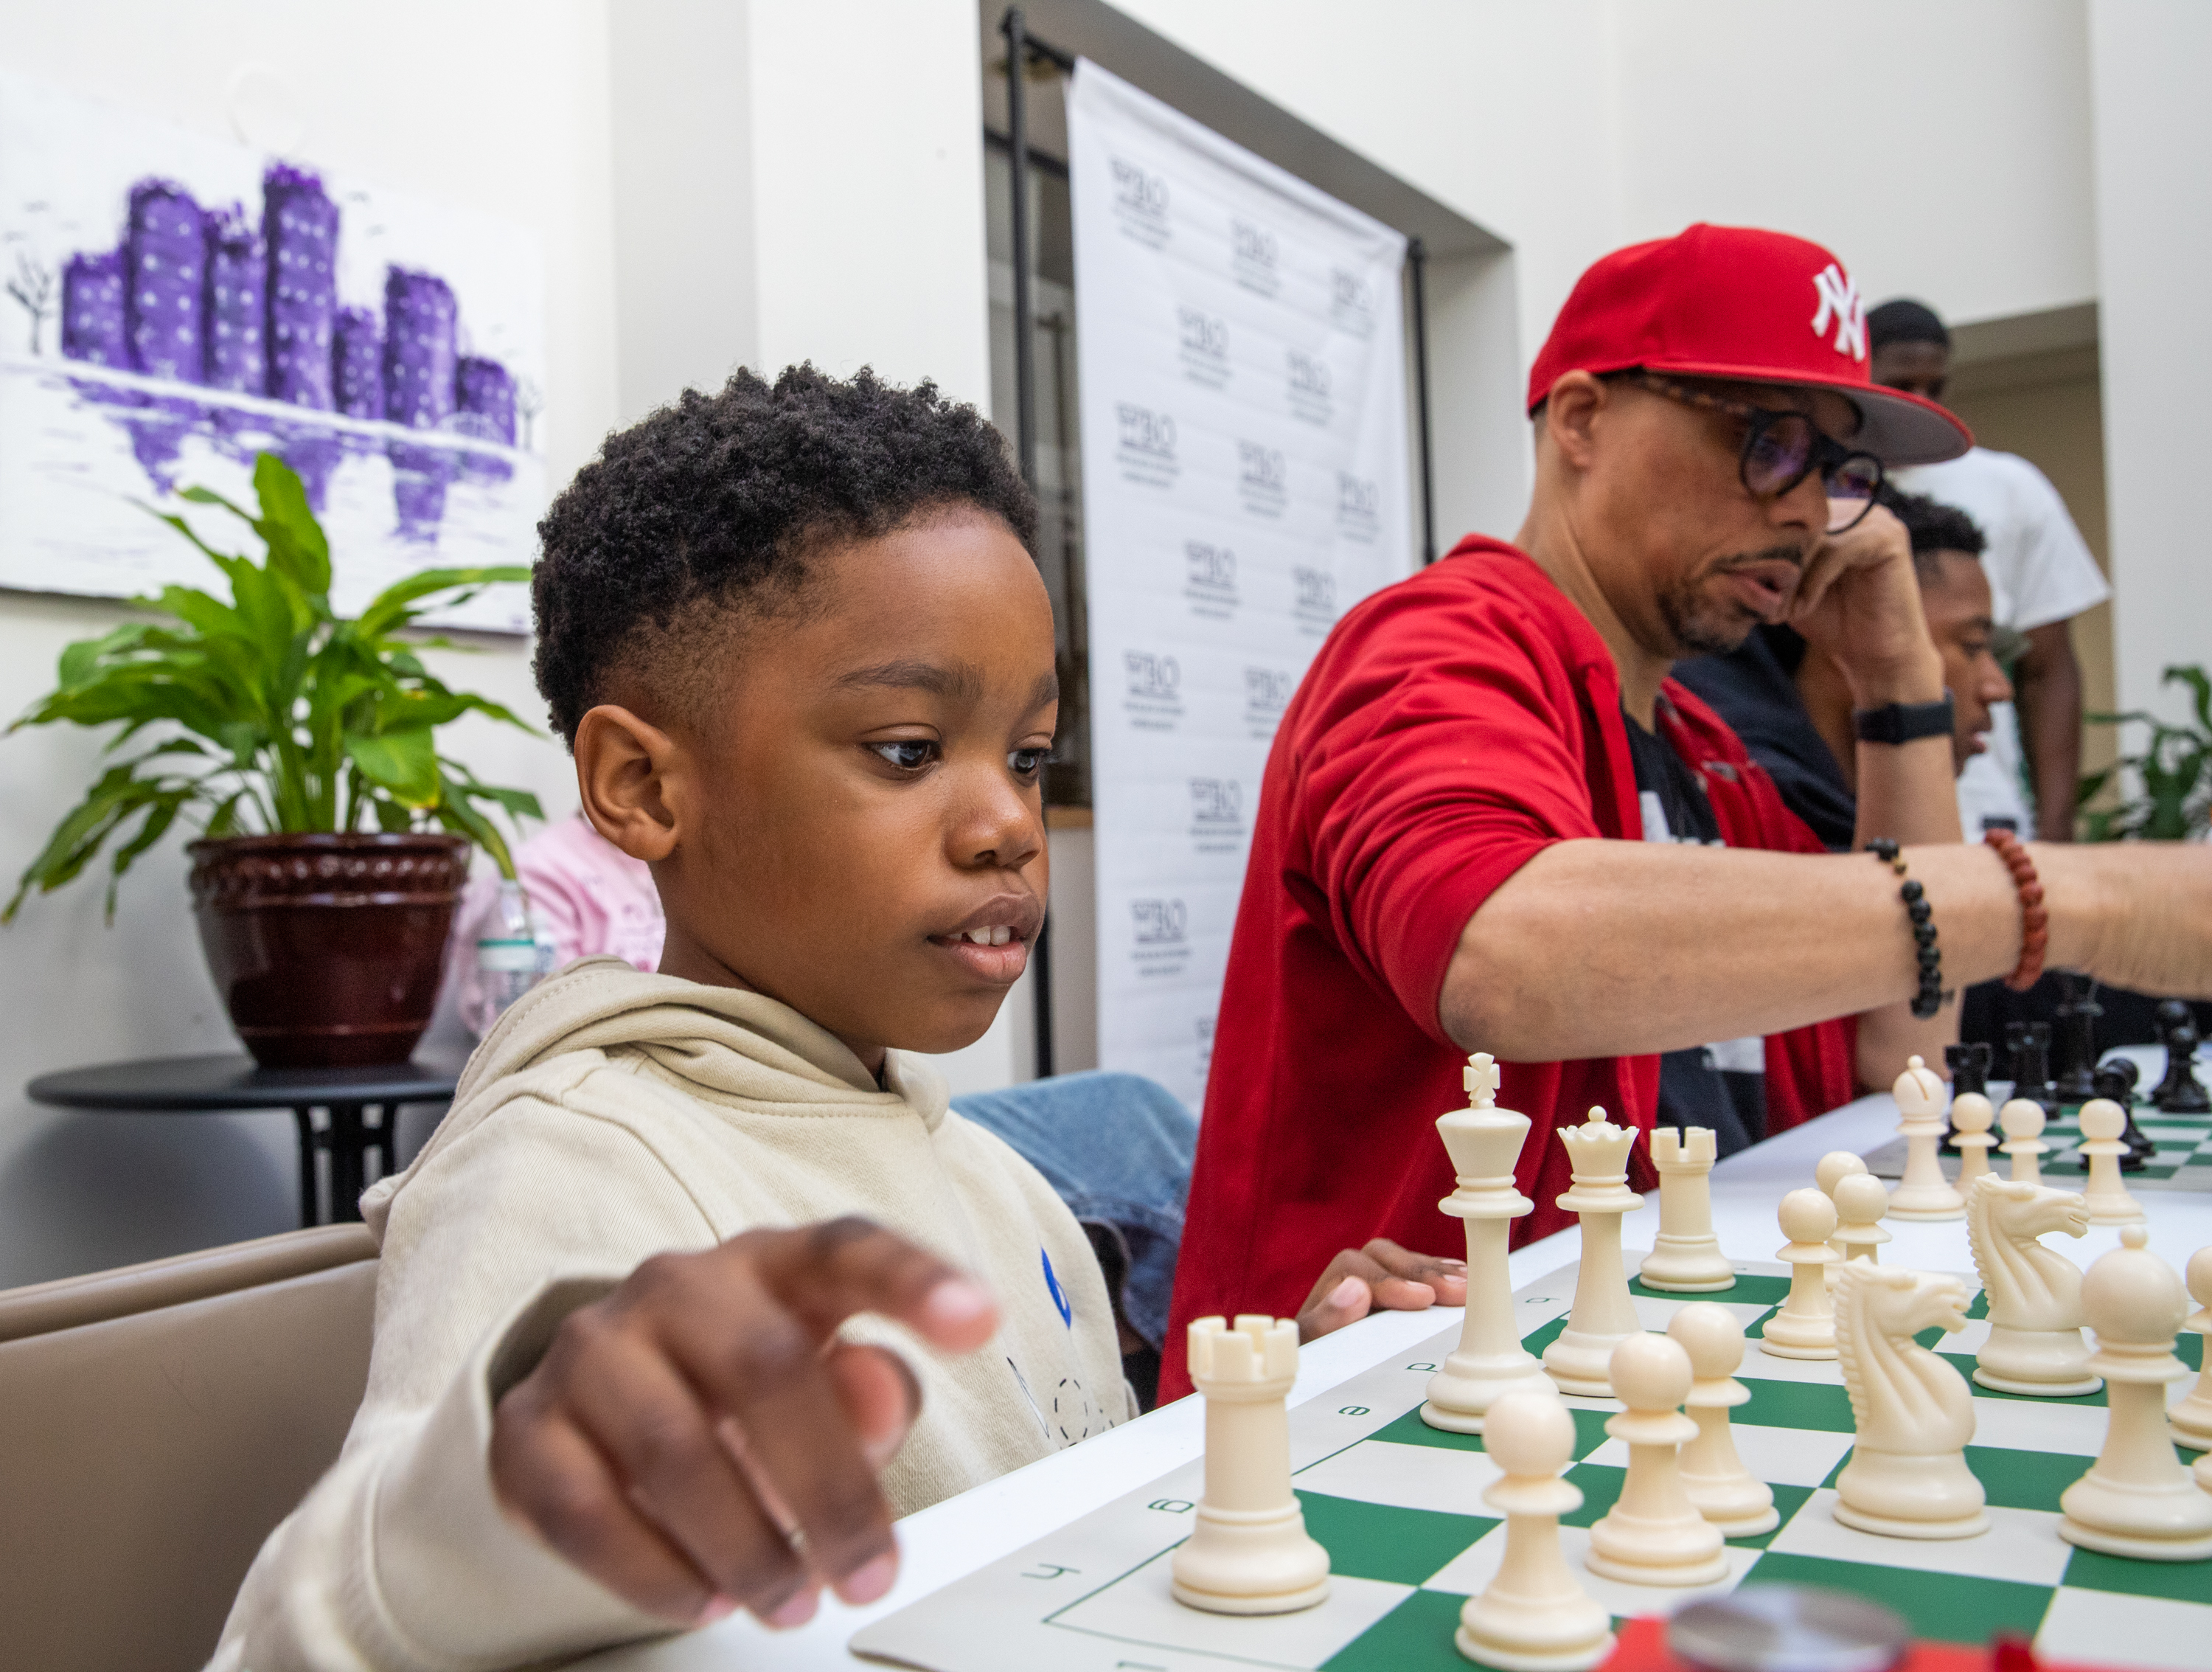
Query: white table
x=949, y=1540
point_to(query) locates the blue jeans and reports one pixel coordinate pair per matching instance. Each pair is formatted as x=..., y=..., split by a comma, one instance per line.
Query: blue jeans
x=1117, y=1149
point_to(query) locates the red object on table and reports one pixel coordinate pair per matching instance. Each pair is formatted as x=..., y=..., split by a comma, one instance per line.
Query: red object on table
x=1643, y=1647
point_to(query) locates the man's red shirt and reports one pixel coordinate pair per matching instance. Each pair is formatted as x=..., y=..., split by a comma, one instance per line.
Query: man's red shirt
x=1453, y=725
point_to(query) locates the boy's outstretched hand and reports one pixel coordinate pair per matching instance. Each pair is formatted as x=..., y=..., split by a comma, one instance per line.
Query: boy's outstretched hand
x=700, y=1440
x=1381, y=1274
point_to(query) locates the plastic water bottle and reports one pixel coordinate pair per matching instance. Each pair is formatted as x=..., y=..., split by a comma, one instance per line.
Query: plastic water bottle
x=512, y=954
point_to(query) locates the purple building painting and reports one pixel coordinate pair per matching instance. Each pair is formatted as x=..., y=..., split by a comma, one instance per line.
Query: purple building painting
x=237, y=307
x=300, y=225
x=91, y=310
x=483, y=395
x=420, y=325
x=164, y=248
x=357, y=364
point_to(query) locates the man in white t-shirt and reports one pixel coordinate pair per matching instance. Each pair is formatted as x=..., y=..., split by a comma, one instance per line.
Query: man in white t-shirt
x=2041, y=576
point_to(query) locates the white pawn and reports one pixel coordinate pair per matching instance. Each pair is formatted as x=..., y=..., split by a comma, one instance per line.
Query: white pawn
x=1653, y=1535
x=1923, y=1193
x=1686, y=1257
x=2137, y=1500
x=2035, y=1346
x=2102, y=1122
x=1861, y=1202
x=1484, y=1141
x=1249, y=1552
x=1534, y=1615
x=2022, y=1121
x=1805, y=1327
x=1603, y=1314
x=1724, y=1492
x=2192, y=1418
x=1835, y=1167
x=1971, y=1120
x=1913, y=1413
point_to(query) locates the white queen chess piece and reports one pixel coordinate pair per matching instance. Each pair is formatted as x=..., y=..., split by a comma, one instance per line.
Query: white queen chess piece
x=1805, y=1327
x=1907, y=1475
x=1685, y=1256
x=1724, y=1492
x=1835, y=1167
x=2102, y=1122
x=2192, y=1418
x=2137, y=1499
x=1653, y=1535
x=1249, y=1552
x=2035, y=1344
x=1534, y=1616
x=2022, y=1121
x=1603, y=1315
x=1485, y=1142
x=1922, y=1194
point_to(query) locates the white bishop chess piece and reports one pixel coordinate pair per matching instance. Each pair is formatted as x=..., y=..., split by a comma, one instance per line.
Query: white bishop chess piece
x=1485, y=1142
x=1685, y=1256
x=1249, y=1552
x=1534, y=1616
x=1603, y=1314
x=1907, y=1476
x=1923, y=1193
x=1724, y=1492
x=1653, y=1535
x=2137, y=1499
x=2192, y=1418
x=2102, y=1122
x=2035, y=1344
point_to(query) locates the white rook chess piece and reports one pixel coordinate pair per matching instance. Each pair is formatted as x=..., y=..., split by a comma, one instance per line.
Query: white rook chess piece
x=2102, y=1122
x=1907, y=1475
x=1653, y=1535
x=1923, y=1193
x=2192, y=1418
x=2035, y=1344
x=1835, y=1167
x=1485, y=1142
x=1724, y=1492
x=1972, y=1117
x=2022, y=1121
x=1534, y=1616
x=1805, y=1327
x=1249, y=1552
x=1686, y=1257
x=2137, y=1500
x=1861, y=1201
x=1602, y=1315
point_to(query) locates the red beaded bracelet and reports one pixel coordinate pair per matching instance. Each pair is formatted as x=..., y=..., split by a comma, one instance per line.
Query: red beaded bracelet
x=2034, y=921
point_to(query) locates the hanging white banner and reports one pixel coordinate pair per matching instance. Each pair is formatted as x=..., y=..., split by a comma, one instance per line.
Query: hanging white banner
x=1241, y=364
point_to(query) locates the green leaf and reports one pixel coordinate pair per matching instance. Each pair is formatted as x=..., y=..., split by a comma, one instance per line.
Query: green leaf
x=404, y=763
x=297, y=546
x=389, y=607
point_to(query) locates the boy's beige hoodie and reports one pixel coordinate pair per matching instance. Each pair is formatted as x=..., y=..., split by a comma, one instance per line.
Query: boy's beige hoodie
x=612, y=1115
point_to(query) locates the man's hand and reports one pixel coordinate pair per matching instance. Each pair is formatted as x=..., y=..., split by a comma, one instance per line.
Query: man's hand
x=1859, y=602
x=1381, y=1274
x=700, y=1440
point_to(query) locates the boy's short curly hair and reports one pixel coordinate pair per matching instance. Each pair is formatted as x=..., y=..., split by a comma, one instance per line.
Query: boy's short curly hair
x=710, y=510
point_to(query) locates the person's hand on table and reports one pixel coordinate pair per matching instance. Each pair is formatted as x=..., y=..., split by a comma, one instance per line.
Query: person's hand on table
x=700, y=1440
x=1383, y=1274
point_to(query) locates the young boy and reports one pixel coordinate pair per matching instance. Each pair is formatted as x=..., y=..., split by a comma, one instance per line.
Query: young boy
x=699, y=1283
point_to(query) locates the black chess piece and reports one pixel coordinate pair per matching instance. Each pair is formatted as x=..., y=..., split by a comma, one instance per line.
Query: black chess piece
x=2031, y=1065
x=2074, y=1040
x=2117, y=1080
x=2179, y=1093
x=1970, y=1072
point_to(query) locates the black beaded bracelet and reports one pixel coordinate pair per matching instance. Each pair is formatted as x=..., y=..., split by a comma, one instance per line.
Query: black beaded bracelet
x=1929, y=999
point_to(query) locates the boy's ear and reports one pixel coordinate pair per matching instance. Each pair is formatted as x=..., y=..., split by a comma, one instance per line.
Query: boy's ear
x=624, y=769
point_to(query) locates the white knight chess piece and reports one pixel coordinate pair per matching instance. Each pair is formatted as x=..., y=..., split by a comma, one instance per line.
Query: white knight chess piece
x=1907, y=1476
x=2035, y=1344
x=1603, y=1315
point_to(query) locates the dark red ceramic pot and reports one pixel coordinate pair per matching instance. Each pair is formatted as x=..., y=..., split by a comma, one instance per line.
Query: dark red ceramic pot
x=326, y=949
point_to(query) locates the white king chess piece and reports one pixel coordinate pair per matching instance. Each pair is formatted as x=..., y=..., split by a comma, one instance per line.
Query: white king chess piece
x=1485, y=1142
x=2137, y=1499
x=1907, y=1476
x=1686, y=1257
x=2035, y=1346
x=1249, y=1552
x=1603, y=1315
x=1923, y=1193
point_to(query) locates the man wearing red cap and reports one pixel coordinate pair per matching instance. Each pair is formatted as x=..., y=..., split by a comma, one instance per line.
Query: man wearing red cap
x=1491, y=822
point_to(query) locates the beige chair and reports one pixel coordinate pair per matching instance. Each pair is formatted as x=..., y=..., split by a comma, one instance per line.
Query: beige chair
x=155, y=1423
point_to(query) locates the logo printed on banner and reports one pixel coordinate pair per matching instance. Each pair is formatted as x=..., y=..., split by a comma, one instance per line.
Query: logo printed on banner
x=1209, y=579
x=1216, y=815
x=1202, y=344
x=1358, y=503
x=1351, y=302
x=1313, y=599
x=1140, y=203
x=1263, y=478
x=1159, y=937
x=1153, y=701
x=1148, y=445
x=1252, y=255
x=1839, y=301
x=1267, y=694
x=1308, y=388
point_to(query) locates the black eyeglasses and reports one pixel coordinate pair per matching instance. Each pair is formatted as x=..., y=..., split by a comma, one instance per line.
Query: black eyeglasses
x=1781, y=449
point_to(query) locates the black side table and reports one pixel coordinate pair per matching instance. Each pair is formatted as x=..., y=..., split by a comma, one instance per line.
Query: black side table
x=212, y=1085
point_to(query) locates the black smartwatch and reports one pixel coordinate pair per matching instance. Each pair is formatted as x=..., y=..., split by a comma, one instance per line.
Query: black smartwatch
x=1904, y=722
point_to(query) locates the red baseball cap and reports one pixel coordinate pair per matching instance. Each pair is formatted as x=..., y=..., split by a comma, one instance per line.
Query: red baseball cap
x=1747, y=304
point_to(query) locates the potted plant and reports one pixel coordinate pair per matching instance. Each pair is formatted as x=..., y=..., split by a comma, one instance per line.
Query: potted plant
x=2172, y=778
x=335, y=838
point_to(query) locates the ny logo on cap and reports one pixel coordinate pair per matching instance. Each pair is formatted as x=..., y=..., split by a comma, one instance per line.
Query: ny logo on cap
x=1839, y=301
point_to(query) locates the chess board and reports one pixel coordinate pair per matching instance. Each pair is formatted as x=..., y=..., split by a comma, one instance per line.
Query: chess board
x=1399, y=1506
x=2183, y=1161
